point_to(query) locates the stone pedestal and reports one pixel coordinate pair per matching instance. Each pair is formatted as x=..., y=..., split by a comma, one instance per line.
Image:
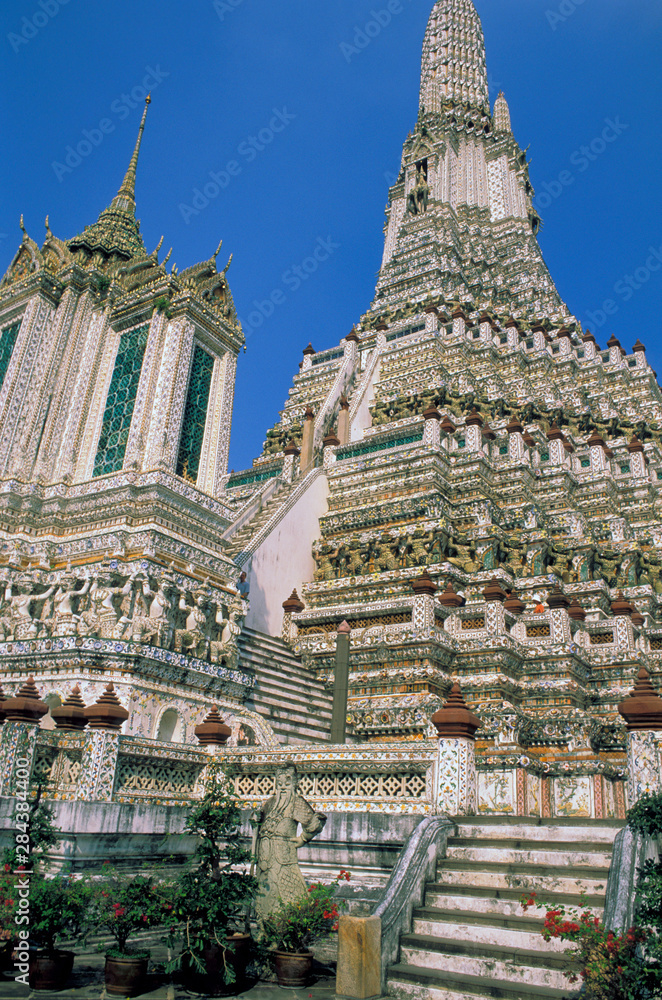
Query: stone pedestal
x=424, y=600
x=456, y=785
x=98, y=766
x=431, y=429
x=291, y=606
x=642, y=712
x=455, y=790
x=18, y=741
x=459, y=325
x=644, y=766
x=359, y=975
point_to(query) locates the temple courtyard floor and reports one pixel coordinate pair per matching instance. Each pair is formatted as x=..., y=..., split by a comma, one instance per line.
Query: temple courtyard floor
x=87, y=983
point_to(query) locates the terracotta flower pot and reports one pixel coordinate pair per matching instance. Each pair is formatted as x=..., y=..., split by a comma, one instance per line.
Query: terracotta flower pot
x=293, y=968
x=216, y=958
x=125, y=977
x=50, y=972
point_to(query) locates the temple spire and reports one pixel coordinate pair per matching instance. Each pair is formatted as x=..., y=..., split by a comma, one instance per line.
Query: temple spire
x=125, y=200
x=454, y=67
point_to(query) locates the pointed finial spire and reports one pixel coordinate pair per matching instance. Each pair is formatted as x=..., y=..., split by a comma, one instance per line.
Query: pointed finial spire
x=125, y=199
x=501, y=117
x=217, y=251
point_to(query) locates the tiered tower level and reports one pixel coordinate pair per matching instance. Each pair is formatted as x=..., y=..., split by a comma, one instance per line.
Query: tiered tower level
x=470, y=428
x=116, y=389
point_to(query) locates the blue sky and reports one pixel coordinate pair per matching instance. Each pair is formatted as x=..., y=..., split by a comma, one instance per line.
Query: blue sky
x=328, y=127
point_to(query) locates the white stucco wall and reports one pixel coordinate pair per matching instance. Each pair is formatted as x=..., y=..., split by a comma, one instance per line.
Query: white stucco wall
x=284, y=560
x=362, y=418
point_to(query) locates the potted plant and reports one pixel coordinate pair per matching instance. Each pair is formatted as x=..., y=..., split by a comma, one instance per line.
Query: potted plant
x=291, y=929
x=124, y=905
x=213, y=895
x=57, y=909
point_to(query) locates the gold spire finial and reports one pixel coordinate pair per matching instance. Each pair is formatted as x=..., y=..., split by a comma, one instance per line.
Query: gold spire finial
x=125, y=199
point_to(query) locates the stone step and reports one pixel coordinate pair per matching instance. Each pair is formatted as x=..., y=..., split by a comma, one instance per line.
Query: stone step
x=297, y=689
x=294, y=718
x=492, y=875
x=493, y=961
x=573, y=853
x=408, y=981
x=502, y=902
x=561, y=830
x=523, y=931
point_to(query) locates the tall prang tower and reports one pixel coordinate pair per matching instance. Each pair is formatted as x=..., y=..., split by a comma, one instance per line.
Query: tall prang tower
x=117, y=383
x=468, y=479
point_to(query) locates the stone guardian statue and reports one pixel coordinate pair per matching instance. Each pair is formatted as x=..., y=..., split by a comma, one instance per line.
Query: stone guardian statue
x=276, y=842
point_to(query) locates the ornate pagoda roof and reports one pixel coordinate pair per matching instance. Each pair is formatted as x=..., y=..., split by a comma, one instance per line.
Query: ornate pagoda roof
x=116, y=233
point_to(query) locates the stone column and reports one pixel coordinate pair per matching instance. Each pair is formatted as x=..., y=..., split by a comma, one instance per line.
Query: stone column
x=598, y=457
x=18, y=740
x=101, y=749
x=565, y=341
x=293, y=605
x=474, y=424
x=559, y=622
x=486, y=329
x=556, y=440
x=459, y=324
x=381, y=337
x=291, y=453
x=639, y=352
x=637, y=459
x=456, y=785
x=516, y=447
x=306, y=459
x=431, y=431
x=512, y=332
x=341, y=685
x=590, y=346
x=616, y=352
x=642, y=712
x=539, y=337
x=495, y=616
x=622, y=611
x=343, y=421
x=352, y=344
x=431, y=320
x=308, y=353
x=424, y=589
x=329, y=445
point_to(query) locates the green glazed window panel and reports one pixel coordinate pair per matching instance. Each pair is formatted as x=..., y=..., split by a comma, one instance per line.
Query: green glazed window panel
x=7, y=342
x=121, y=402
x=195, y=415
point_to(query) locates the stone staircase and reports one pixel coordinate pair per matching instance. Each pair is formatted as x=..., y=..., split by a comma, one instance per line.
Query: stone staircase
x=240, y=540
x=287, y=695
x=471, y=938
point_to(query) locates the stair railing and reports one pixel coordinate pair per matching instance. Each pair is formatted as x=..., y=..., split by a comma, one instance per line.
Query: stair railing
x=298, y=488
x=405, y=889
x=253, y=506
x=630, y=852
